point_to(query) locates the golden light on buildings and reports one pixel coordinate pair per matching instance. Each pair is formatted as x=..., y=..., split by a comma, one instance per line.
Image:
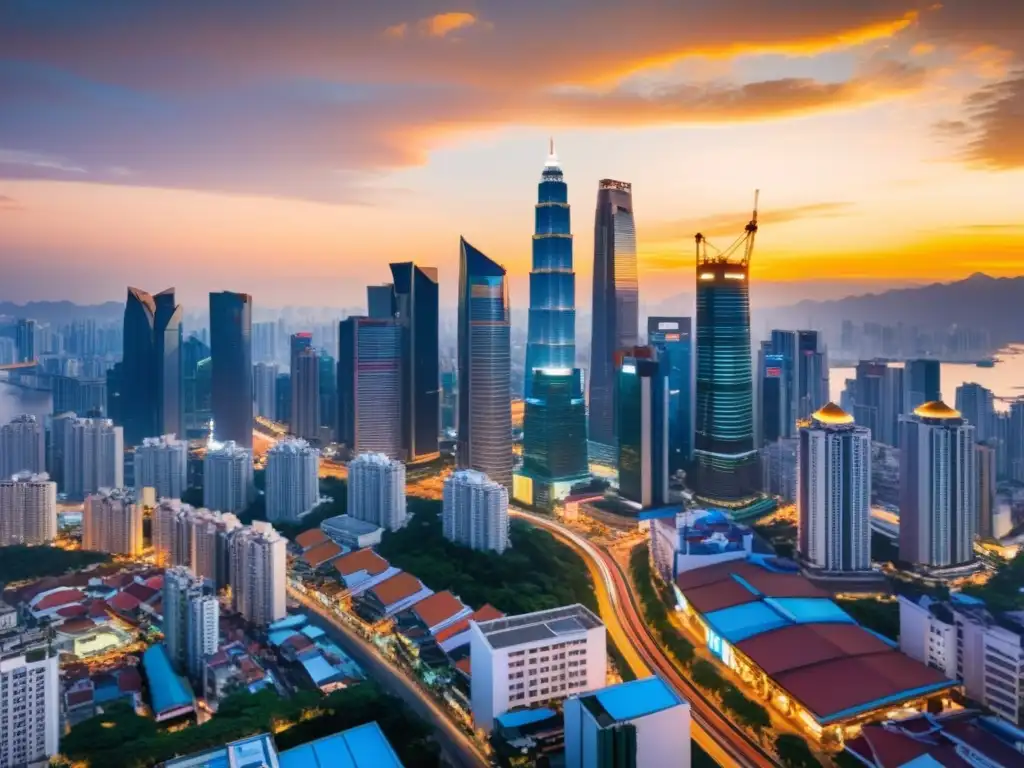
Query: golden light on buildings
x=936, y=410
x=830, y=413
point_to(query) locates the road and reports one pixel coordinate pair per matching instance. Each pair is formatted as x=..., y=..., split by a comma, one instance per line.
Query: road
x=716, y=735
x=457, y=746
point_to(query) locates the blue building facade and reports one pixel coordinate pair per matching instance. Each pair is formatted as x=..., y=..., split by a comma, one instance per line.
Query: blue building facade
x=642, y=402
x=672, y=337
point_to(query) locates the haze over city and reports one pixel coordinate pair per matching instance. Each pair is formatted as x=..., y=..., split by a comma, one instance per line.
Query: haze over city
x=293, y=150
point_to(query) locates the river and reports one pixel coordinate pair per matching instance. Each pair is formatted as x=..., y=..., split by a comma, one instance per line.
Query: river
x=1005, y=378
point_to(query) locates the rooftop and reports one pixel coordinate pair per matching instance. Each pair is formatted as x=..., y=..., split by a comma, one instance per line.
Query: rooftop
x=321, y=553
x=312, y=537
x=631, y=700
x=936, y=410
x=293, y=445
x=379, y=459
x=291, y=621
x=438, y=608
x=538, y=626
x=486, y=613
x=361, y=560
x=521, y=717
x=253, y=752
x=349, y=524
x=55, y=599
x=167, y=690
x=361, y=747
x=398, y=587
x=831, y=413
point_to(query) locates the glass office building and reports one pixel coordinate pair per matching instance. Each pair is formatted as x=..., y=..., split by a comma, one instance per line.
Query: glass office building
x=672, y=337
x=231, y=360
x=643, y=420
x=151, y=401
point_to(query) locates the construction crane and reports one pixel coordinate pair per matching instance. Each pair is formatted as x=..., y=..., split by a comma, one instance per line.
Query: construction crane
x=746, y=240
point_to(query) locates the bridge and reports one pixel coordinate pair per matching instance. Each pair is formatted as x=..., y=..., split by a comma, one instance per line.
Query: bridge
x=19, y=366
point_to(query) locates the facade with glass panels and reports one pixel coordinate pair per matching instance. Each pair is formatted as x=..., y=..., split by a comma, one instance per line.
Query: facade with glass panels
x=616, y=310
x=672, y=337
x=369, y=386
x=485, y=391
x=642, y=402
x=727, y=466
x=231, y=360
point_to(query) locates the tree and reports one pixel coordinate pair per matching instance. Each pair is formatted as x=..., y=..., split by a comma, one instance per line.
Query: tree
x=748, y=712
x=794, y=752
x=706, y=676
x=19, y=562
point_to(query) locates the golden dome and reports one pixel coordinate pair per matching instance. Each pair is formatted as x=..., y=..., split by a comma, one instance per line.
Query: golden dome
x=832, y=414
x=936, y=410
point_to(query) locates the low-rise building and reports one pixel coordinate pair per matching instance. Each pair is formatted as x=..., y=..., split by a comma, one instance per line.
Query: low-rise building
x=420, y=624
x=306, y=540
x=321, y=554
x=363, y=569
x=695, y=538
x=87, y=696
x=171, y=696
x=456, y=634
x=352, y=533
x=8, y=617
x=527, y=736
x=534, y=658
x=641, y=722
x=391, y=596
x=232, y=669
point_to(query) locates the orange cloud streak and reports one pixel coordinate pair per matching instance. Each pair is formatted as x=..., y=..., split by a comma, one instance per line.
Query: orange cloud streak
x=442, y=24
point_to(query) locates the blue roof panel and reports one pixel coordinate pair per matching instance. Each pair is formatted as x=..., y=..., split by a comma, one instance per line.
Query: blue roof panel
x=370, y=748
x=524, y=717
x=742, y=621
x=292, y=621
x=319, y=669
x=810, y=610
x=313, y=632
x=166, y=688
x=278, y=637
x=361, y=747
x=637, y=698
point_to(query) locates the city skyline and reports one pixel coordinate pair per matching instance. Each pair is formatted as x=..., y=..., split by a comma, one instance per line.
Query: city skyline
x=885, y=135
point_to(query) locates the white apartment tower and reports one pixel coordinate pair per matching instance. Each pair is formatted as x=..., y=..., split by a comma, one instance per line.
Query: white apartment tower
x=258, y=561
x=161, y=463
x=22, y=446
x=28, y=509
x=29, y=710
x=293, y=481
x=938, y=487
x=93, y=456
x=112, y=523
x=534, y=658
x=376, y=490
x=475, y=511
x=196, y=538
x=191, y=621
x=834, y=492
x=227, y=477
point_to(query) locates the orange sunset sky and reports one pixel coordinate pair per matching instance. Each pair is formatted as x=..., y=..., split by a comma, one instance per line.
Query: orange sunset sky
x=292, y=149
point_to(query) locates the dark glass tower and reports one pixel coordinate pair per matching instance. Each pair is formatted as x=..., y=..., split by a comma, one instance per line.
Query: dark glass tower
x=551, y=342
x=369, y=385
x=727, y=467
x=921, y=379
x=485, y=391
x=151, y=373
x=672, y=337
x=416, y=311
x=616, y=309
x=231, y=360
x=642, y=402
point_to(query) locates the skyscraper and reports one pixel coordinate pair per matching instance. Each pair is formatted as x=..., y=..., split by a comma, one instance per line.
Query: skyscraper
x=727, y=470
x=265, y=390
x=197, y=387
x=258, y=562
x=328, y=396
x=93, y=456
x=30, y=711
x=551, y=339
x=196, y=538
x=22, y=446
x=417, y=313
x=672, y=337
x=938, y=487
x=485, y=397
x=293, y=482
x=231, y=354
x=977, y=404
x=985, y=460
x=112, y=522
x=773, y=395
x=151, y=380
x=191, y=615
x=616, y=309
x=227, y=477
x=921, y=382
x=804, y=374
x=834, y=492
x=376, y=490
x=161, y=463
x=25, y=340
x=305, y=421
x=369, y=386
x=449, y=400
x=380, y=301
x=642, y=399
x=878, y=400
x=475, y=512
x=28, y=509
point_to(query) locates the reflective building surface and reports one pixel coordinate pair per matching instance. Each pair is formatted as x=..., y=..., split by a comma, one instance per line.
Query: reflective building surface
x=369, y=386
x=485, y=404
x=642, y=402
x=672, y=337
x=231, y=360
x=615, y=312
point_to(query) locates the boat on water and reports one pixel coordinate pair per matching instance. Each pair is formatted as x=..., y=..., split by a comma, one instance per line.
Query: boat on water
x=989, y=362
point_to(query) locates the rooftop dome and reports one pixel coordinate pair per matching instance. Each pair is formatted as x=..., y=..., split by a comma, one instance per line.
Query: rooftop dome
x=936, y=410
x=832, y=414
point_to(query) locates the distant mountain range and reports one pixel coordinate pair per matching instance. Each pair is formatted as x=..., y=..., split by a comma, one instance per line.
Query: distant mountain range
x=62, y=311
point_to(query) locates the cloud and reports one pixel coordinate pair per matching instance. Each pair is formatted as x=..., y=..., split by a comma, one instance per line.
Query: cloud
x=443, y=24
x=731, y=223
x=9, y=204
x=994, y=125
x=38, y=160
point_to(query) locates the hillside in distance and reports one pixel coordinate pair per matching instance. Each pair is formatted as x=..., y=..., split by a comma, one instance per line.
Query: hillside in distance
x=62, y=311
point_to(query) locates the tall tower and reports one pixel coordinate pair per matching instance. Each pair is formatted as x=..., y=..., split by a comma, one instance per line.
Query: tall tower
x=370, y=402
x=616, y=311
x=22, y=446
x=642, y=403
x=306, y=395
x=231, y=356
x=485, y=396
x=727, y=471
x=417, y=313
x=152, y=373
x=672, y=337
x=834, y=492
x=551, y=341
x=938, y=487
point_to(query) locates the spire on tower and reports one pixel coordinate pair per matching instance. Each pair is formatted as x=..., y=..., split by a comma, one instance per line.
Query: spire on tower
x=552, y=161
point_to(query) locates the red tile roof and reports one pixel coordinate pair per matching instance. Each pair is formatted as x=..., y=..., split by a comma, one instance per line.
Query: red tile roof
x=156, y=582
x=58, y=598
x=309, y=539
x=77, y=626
x=72, y=611
x=769, y=583
x=122, y=602
x=361, y=560
x=438, y=608
x=801, y=645
x=141, y=592
x=119, y=580
x=98, y=608
x=298, y=642
x=486, y=613
x=398, y=587
x=722, y=594
x=321, y=553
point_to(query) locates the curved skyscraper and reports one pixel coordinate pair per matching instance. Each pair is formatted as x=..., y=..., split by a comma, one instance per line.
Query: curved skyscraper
x=552, y=321
x=616, y=309
x=485, y=396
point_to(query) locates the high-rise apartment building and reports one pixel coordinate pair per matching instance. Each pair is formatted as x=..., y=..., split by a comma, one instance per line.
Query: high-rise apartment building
x=22, y=446
x=376, y=490
x=112, y=522
x=642, y=395
x=475, y=512
x=197, y=387
x=191, y=621
x=25, y=339
x=328, y=397
x=161, y=463
x=616, y=309
x=152, y=375
x=265, y=390
x=985, y=461
x=231, y=374
x=258, y=562
x=196, y=538
x=921, y=383
x=938, y=487
x=305, y=420
x=672, y=337
x=834, y=492
x=485, y=367
x=292, y=480
x=370, y=386
x=977, y=404
x=93, y=457
x=227, y=477
x=30, y=724
x=28, y=509
x=415, y=302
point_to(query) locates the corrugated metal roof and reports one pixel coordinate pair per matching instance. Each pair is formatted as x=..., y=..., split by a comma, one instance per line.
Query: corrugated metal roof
x=167, y=690
x=361, y=747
